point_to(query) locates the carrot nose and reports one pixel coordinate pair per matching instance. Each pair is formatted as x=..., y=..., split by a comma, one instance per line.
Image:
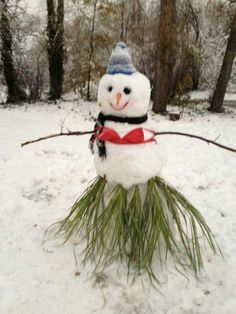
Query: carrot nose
x=118, y=97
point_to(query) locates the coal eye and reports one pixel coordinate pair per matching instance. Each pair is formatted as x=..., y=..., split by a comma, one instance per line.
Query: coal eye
x=110, y=88
x=127, y=90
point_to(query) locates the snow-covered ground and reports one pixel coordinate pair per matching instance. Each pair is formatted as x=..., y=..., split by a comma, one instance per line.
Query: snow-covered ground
x=205, y=95
x=41, y=181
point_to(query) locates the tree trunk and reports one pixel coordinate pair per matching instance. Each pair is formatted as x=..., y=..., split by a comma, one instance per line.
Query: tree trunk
x=15, y=92
x=91, y=48
x=122, y=25
x=165, y=57
x=55, y=30
x=226, y=69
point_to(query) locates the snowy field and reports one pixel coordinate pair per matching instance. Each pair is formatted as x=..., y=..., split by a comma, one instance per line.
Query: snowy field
x=205, y=95
x=40, y=182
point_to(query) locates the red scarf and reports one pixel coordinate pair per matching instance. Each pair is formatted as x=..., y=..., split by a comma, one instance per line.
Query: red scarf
x=135, y=136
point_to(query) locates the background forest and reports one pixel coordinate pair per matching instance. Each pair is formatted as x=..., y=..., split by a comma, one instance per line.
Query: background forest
x=69, y=42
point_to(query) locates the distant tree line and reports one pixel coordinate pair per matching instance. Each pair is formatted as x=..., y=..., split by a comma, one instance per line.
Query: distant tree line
x=181, y=45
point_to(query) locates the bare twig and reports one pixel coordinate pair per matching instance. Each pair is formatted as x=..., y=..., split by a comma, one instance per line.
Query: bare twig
x=62, y=124
x=70, y=133
x=217, y=138
x=199, y=138
x=73, y=133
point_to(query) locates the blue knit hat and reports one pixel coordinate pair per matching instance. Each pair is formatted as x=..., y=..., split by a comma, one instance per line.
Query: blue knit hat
x=120, y=61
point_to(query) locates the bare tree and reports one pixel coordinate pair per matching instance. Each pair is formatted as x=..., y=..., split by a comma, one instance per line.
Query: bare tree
x=122, y=25
x=91, y=43
x=226, y=69
x=186, y=72
x=165, y=57
x=15, y=91
x=55, y=30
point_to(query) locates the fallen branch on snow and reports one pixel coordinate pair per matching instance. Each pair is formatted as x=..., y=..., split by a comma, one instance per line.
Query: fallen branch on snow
x=76, y=133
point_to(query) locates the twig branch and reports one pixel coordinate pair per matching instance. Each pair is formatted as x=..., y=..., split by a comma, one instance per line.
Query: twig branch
x=199, y=138
x=62, y=124
x=71, y=133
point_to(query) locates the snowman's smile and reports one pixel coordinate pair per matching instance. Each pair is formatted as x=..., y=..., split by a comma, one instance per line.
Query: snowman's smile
x=117, y=108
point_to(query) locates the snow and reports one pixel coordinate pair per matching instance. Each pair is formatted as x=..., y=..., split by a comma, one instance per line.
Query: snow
x=230, y=97
x=206, y=94
x=3, y=95
x=40, y=182
x=35, y=7
x=200, y=95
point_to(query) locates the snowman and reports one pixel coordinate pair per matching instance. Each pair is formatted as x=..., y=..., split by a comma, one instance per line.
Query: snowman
x=131, y=155
x=130, y=214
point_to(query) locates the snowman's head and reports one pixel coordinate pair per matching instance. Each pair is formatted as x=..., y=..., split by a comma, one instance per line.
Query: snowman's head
x=123, y=91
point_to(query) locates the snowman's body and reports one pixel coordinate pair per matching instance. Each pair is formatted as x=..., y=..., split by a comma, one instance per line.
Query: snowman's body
x=129, y=164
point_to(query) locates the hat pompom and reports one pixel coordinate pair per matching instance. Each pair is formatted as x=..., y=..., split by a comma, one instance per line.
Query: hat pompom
x=120, y=61
x=121, y=44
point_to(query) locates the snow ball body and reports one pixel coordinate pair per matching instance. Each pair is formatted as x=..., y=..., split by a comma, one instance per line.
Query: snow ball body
x=127, y=96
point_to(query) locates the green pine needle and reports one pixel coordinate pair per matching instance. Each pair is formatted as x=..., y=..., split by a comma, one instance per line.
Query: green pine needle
x=125, y=228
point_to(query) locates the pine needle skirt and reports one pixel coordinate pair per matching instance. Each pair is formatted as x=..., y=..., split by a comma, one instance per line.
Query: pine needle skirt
x=131, y=226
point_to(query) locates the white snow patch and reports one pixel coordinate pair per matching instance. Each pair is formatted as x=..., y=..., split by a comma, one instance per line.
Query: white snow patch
x=230, y=97
x=200, y=95
x=205, y=95
x=40, y=182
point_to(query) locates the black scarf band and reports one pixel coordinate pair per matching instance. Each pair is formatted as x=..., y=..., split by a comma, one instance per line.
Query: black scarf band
x=131, y=120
